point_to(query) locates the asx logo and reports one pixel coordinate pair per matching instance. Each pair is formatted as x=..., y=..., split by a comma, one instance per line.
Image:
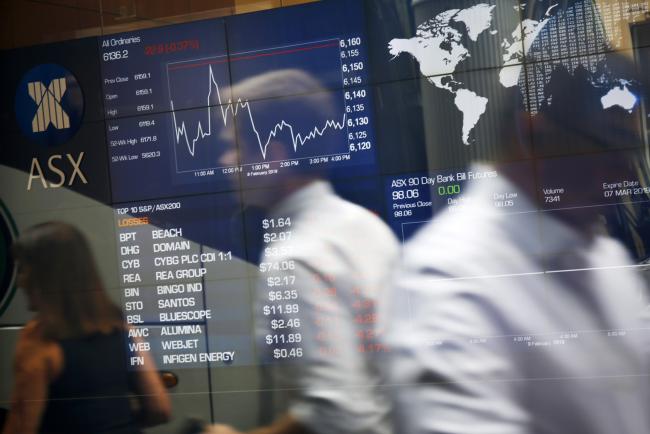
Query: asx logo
x=49, y=105
x=49, y=110
x=48, y=100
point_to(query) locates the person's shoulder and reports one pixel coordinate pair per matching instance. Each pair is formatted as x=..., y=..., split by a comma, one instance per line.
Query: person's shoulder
x=32, y=334
x=358, y=220
x=612, y=248
x=35, y=350
x=336, y=221
x=460, y=245
x=33, y=329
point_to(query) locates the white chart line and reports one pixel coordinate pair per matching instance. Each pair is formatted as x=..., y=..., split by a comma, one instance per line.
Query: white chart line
x=297, y=139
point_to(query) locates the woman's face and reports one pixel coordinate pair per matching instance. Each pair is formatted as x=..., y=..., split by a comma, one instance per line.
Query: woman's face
x=24, y=280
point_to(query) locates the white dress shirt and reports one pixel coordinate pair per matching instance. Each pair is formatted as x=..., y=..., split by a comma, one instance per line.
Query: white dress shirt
x=343, y=256
x=514, y=323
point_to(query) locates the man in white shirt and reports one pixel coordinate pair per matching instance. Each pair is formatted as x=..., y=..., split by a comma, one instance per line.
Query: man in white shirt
x=342, y=255
x=486, y=338
x=523, y=322
x=327, y=263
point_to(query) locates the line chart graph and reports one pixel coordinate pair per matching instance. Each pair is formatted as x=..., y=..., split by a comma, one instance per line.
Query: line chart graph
x=232, y=108
x=204, y=126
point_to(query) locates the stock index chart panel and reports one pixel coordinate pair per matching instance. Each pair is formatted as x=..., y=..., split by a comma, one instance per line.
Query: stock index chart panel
x=210, y=106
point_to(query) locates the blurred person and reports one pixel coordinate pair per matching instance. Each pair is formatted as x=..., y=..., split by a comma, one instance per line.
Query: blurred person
x=526, y=322
x=340, y=255
x=70, y=365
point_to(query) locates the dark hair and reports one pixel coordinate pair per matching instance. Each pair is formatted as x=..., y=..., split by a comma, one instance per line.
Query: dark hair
x=62, y=273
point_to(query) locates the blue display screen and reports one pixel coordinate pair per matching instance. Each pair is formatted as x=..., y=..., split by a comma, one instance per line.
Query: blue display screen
x=184, y=108
x=194, y=134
